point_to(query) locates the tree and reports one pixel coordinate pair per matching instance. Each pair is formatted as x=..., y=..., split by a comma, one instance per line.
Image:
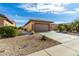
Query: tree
x=8, y=31
x=75, y=26
x=63, y=27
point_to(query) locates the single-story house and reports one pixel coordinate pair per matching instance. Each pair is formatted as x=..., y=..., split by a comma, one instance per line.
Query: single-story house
x=4, y=21
x=54, y=26
x=38, y=25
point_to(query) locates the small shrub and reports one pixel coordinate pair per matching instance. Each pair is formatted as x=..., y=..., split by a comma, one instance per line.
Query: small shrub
x=33, y=32
x=8, y=31
x=43, y=38
x=19, y=27
x=25, y=29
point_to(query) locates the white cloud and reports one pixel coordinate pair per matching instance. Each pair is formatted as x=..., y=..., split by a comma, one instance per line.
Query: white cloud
x=43, y=7
x=77, y=9
x=69, y=12
x=19, y=21
x=59, y=22
x=41, y=1
x=72, y=12
x=56, y=7
x=59, y=2
x=28, y=7
x=63, y=21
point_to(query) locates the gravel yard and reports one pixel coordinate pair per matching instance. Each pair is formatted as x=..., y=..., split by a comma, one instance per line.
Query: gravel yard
x=23, y=45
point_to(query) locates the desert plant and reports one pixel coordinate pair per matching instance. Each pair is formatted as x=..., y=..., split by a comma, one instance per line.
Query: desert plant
x=8, y=31
x=75, y=26
x=62, y=28
x=32, y=32
x=43, y=38
x=19, y=27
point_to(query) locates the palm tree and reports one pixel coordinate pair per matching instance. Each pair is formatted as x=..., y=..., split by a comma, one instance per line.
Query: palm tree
x=59, y=28
x=75, y=26
x=63, y=27
x=71, y=27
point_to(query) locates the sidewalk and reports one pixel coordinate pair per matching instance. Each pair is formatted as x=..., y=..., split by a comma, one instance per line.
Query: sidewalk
x=69, y=46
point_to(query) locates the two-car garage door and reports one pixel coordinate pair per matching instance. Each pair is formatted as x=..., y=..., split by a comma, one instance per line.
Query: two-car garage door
x=41, y=27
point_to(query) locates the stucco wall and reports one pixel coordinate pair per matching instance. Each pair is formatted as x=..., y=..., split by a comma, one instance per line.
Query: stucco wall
x=6, y=23
x=1, y=22
x=28, y=27
x=54, y=26
x=31, y=26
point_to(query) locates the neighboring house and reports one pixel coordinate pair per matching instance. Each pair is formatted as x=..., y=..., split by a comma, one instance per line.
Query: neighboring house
x=38, y=25
x=4, y=21
x=54, y=26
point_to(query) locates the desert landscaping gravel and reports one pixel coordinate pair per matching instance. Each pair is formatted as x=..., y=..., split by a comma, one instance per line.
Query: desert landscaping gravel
x=24, y=45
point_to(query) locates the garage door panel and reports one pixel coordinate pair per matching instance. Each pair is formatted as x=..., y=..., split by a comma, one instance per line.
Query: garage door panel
x=41, y=27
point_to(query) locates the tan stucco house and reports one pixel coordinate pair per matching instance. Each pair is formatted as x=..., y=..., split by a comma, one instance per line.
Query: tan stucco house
x=4, y=21
x=38, y=25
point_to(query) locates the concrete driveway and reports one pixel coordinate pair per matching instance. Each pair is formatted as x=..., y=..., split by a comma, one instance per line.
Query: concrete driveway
x=69, y=46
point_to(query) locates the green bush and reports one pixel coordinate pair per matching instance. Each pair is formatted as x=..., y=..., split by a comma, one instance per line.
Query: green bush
x=32, y=32
x=69, y=27
x=8, y=31
x=43, y=38
x=25, y=29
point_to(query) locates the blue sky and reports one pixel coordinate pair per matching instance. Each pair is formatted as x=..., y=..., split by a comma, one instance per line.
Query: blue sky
x=22, y=12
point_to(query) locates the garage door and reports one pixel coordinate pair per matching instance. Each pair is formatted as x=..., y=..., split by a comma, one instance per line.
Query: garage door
x=41, y=27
